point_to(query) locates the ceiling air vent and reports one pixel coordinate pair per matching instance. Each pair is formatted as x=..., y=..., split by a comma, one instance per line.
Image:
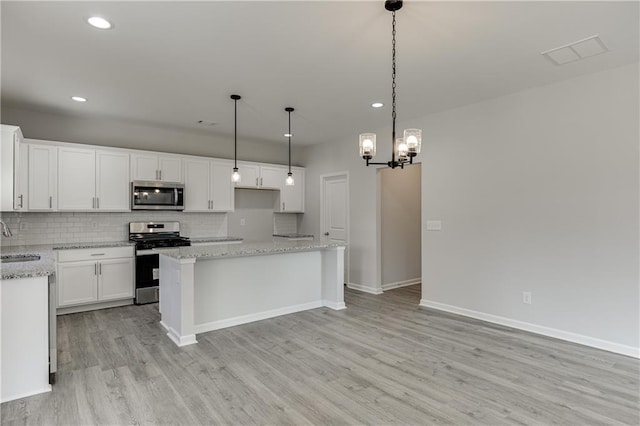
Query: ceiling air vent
x=590, y=46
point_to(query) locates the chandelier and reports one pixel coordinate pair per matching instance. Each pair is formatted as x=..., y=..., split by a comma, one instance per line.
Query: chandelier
x=405, y=148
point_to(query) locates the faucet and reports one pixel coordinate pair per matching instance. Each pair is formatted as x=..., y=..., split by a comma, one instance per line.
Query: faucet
x=5, y=229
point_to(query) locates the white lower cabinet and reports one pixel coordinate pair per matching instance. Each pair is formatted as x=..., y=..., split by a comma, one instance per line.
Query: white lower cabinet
x=77, y=283
x=115, y=279
x=91, y=277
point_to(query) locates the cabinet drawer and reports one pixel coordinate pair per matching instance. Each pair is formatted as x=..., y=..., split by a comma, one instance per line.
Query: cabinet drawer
x=94, y=254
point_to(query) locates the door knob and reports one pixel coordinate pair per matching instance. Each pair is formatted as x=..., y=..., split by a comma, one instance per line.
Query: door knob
x=326, y=233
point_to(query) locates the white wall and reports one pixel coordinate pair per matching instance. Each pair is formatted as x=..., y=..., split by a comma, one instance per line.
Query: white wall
x=336, y=157
x=136, y=135
x=256, y=208
x=400, y=220
x=538, y=191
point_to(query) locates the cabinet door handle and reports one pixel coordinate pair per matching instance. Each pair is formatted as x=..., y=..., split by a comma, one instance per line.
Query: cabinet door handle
x=256, y=181
x=99, y=268
x=93, y=202
x=20, y=197
x=261, y=182
x=95, y=269
x=97, y=202
x=159, y=174
x=283, y=206
x=97, y=254
x=50, y=201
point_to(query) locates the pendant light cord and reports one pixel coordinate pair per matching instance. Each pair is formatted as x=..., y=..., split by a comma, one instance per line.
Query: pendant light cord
x=235, y=133
x=393, y=88
x=289, y=141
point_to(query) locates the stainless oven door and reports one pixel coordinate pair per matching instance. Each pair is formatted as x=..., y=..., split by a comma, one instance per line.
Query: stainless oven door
x=147, y=277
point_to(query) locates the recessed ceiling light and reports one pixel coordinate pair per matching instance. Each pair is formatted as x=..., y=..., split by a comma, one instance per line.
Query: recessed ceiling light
x=99, y=22
x=79, y=99
x=377, y=105
x=288, y=135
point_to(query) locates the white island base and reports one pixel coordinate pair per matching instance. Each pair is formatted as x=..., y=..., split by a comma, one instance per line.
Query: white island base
x=200, y=293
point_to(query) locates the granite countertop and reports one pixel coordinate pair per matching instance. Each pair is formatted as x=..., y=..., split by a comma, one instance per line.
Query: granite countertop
x=46, y=265
x=247, y=249
x=73, y=246
x=196, y=240
x=37, y=268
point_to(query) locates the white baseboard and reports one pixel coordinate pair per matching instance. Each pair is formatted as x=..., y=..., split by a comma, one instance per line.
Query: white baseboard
x=538, y=329
x=333, y=305
x=179, y=340
x=93, y=306
x=391, y=286
x=244, y=319
x=364, y=289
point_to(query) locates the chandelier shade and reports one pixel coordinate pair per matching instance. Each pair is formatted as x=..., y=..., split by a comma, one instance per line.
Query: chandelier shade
x=405, y=148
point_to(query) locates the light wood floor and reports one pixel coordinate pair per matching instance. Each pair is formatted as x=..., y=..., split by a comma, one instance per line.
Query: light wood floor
x=384, y=360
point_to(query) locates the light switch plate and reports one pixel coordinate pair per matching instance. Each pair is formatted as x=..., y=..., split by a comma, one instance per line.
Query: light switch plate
x=242, y=222
x=434, y=225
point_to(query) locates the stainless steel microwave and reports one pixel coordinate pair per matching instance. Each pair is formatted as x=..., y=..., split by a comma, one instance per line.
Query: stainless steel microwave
x=152, y=195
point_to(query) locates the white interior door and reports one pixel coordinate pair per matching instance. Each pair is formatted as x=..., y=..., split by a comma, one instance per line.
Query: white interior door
x=335, y=212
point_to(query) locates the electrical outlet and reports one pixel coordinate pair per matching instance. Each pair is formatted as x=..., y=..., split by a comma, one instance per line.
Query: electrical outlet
x=242, y=222
x=23, y=226
x=526, y=297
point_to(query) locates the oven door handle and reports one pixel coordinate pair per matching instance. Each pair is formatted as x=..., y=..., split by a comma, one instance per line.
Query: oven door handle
x=175, y=197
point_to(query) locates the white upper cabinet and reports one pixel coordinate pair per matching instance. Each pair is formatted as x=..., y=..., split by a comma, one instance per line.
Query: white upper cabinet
x=259, y=176
x=170, y=168
x=208, y=186
x=166, y=168
x=113, y=185
x=42, y=177
x=144, y=167
x=90, y=180
x=21, y=179
x=249, y=175
x=222, y=195
x=292, y=197
x=13, y=169
x=196, y=185
x=272, y=177
x=76, y=179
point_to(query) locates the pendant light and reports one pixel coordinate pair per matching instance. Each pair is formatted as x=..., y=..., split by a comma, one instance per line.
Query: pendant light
x=402, y=149
x=235, y=176
x=289, y=180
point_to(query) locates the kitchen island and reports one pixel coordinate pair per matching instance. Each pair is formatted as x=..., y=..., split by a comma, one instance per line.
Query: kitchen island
x=206, y=288
x=25, y=280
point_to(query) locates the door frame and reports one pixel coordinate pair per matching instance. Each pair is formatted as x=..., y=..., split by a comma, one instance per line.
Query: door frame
x=323, y=220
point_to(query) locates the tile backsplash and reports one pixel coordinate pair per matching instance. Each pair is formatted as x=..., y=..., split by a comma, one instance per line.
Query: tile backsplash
x=49, y=228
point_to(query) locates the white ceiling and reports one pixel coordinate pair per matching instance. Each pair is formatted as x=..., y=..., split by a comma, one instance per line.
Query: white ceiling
x=174, y=63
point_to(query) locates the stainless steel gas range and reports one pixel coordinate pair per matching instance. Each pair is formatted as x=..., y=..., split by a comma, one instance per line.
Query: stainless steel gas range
x=150, y=237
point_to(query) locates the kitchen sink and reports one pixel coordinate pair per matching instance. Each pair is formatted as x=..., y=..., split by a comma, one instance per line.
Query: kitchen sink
x=19, y=258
